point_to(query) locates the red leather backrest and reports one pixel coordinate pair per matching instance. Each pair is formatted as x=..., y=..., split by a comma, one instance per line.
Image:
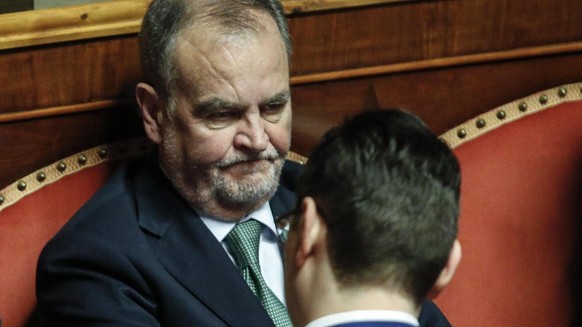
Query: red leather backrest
x=31, y=215
x=521, y=209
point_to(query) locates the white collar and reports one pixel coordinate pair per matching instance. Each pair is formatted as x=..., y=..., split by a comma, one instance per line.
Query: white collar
x=364, y=315
x=221, y=228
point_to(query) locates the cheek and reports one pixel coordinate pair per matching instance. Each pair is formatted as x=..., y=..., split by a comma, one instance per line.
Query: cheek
x=209, y=150
x=203, y=147
x=280, y=134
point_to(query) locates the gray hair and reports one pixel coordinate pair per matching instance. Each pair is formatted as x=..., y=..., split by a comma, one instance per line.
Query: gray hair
x=165, y=19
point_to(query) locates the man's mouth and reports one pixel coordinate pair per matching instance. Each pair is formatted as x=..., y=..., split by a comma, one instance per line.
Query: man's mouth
x=248, y=167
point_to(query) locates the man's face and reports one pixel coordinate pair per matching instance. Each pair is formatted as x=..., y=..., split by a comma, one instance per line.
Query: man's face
x=225, y=143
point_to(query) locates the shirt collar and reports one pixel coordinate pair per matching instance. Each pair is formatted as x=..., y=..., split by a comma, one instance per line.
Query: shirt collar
x=364, y=315
x=221, y=228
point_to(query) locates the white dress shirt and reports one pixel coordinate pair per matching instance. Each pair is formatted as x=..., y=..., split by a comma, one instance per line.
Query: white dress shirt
x=270, y=257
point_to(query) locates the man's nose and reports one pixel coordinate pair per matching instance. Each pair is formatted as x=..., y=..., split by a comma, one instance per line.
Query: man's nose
x=252, y=134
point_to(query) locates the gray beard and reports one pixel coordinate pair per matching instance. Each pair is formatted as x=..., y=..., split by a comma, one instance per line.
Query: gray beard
x=247, y=193
x=214, y=193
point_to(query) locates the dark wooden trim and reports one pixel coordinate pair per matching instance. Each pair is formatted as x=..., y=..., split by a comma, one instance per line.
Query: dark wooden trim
x=12, y=117
x=449, y=62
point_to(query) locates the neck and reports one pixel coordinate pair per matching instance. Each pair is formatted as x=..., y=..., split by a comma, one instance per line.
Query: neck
x=360, y=299
x=322, y=295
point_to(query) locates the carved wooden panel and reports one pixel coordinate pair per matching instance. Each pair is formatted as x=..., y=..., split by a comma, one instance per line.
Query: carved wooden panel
x=421, y=30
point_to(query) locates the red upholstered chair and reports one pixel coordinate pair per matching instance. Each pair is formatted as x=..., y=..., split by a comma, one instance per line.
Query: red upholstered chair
x=521, y=214
x=35, y=207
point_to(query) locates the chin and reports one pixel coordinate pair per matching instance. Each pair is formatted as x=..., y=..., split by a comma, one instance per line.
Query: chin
x=249, y=189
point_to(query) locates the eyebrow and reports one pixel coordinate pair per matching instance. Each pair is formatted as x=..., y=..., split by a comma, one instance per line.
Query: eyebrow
x=215, y=104
x=280, y=97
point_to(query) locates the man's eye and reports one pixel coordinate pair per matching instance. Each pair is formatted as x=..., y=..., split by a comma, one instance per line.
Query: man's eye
x=221, y=119
x=273, y=110
x=274, y=107
x=221, y=115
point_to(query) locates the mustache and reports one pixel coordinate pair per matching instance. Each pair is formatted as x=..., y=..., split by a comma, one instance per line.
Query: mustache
x=271, y=154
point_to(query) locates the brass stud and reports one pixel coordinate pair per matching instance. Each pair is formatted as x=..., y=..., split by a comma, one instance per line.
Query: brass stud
x=1, y=199
x=61, y=166
x=102, y=152
x=501, y=114
x=82, y=159
x=21, y=185
x=41, y=176
x=562, y=92
x=480, y=123
x=522, y=106
x=543, y=99
x=461, y=133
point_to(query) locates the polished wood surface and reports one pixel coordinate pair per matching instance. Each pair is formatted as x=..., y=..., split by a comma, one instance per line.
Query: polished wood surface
x=416, y=31
x=68, y=74
x=111, y=18
x=80, y=22
x=67, y=82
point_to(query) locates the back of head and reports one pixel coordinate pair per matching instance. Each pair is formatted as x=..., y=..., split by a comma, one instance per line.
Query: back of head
x=166, y=19
x=388, y=190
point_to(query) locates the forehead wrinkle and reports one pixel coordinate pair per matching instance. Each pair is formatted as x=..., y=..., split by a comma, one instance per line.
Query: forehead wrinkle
x=205, y=69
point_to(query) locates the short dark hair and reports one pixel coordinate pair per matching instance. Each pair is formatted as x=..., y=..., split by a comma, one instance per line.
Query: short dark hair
x=388, y=190
x=165, y=19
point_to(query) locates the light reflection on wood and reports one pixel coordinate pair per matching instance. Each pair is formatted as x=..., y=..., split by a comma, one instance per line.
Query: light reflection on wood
x=101, y=19
x=302, y=6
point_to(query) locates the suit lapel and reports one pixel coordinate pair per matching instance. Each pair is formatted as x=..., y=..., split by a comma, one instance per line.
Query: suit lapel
x=198, y=261
x=282, y=201
x=192, y=255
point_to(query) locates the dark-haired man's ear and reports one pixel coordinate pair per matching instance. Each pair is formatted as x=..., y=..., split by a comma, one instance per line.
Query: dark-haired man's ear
x=311, y=231
x=150, y=108
x=448, y=271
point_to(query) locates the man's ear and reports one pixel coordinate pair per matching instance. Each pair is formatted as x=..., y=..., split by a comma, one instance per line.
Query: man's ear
x=311, y=231
x=448, y=271
x=150, y=108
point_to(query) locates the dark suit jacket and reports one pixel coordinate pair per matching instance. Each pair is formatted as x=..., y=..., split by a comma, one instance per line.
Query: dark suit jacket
x=137, y=255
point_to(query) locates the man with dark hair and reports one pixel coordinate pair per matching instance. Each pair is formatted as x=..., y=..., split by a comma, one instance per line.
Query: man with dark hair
x=374, y=232
x=187, y=237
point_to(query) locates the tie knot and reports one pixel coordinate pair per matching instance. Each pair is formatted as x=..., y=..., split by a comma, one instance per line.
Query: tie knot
x=243, y=241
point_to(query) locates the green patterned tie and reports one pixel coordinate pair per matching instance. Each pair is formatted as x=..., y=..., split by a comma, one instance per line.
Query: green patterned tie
x=243, y=241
